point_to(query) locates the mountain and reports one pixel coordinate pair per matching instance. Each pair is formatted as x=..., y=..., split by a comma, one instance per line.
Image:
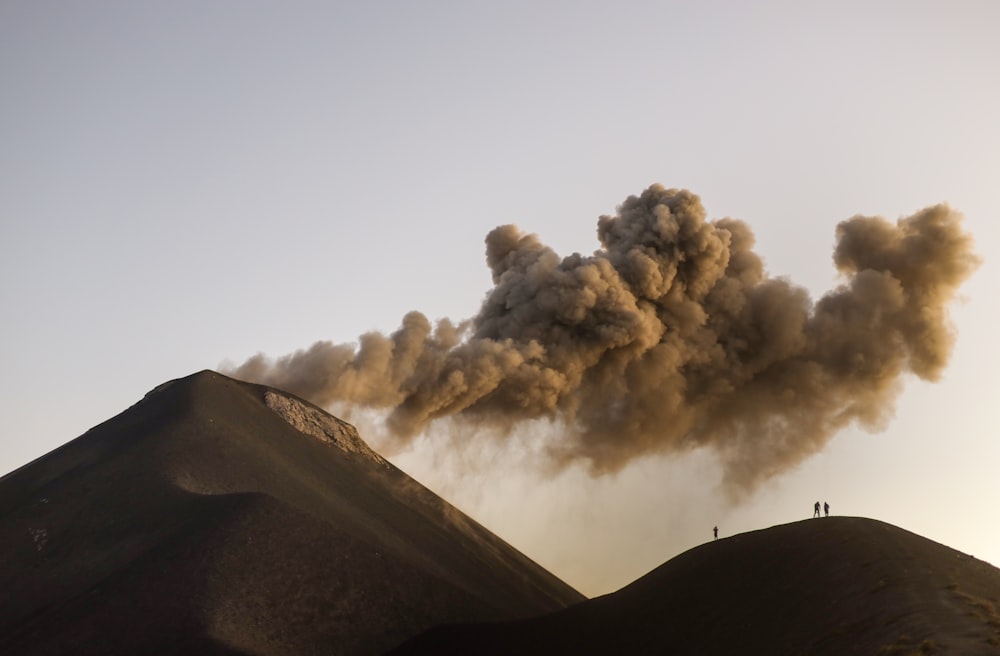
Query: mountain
x=219, y=517
x=830, y=586
x=223, y=518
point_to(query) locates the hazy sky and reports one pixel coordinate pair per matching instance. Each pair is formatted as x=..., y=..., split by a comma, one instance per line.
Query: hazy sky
x=185, y=184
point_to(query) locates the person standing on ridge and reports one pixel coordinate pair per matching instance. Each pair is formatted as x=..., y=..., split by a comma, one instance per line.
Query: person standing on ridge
x=816, y=510
x=826, y=508
x=715, y=530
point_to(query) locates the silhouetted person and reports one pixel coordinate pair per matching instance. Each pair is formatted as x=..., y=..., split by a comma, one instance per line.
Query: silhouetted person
x=826, y=508
x=715, y=530
x=816, y=510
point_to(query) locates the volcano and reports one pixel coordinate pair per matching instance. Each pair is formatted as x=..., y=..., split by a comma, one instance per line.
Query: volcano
x=221, y=517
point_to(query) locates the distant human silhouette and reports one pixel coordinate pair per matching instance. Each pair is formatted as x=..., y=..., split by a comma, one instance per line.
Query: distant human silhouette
x=816, y=510
x=715, y=530
x=826, y=508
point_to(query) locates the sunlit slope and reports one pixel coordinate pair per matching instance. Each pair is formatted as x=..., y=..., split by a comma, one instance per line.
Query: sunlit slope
x=215, y=516
x=824, y=586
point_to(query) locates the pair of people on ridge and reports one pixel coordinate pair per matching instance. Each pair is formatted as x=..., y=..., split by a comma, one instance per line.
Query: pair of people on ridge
x=826, y=509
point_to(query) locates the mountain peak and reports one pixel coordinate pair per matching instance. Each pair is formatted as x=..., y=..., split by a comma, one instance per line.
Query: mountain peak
x=216, y=516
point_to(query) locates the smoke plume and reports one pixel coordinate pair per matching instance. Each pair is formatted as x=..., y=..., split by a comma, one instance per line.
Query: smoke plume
x=670, y=337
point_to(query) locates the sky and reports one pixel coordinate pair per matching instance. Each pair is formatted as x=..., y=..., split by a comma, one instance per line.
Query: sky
x=184, y=185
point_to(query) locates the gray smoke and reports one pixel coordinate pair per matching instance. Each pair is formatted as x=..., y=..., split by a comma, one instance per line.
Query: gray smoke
x=669, y=337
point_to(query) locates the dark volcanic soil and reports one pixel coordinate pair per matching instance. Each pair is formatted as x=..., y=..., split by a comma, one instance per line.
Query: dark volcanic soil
x=201, y=521
x=830, y=586
x=219, y=517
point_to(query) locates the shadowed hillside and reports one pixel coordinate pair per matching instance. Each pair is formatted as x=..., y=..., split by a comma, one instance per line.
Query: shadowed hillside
x=830, y=586
x=220, y=517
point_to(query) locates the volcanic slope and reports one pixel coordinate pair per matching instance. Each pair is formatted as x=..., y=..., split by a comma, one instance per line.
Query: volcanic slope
x=829, y=586
x=220, y=517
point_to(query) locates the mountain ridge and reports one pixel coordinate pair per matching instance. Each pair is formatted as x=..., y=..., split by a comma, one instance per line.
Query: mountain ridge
x=828, y=586
x=259, y=537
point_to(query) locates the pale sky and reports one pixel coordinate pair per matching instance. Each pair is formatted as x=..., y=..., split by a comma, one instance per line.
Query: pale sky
x=185, y=184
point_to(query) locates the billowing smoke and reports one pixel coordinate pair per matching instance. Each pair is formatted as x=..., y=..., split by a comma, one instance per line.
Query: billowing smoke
x=669, y=337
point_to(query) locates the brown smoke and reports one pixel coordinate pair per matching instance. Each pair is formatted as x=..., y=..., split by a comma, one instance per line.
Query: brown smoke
x=670, y=337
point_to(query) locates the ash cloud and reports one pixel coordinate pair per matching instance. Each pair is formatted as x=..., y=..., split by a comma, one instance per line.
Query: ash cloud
x=670, y=337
